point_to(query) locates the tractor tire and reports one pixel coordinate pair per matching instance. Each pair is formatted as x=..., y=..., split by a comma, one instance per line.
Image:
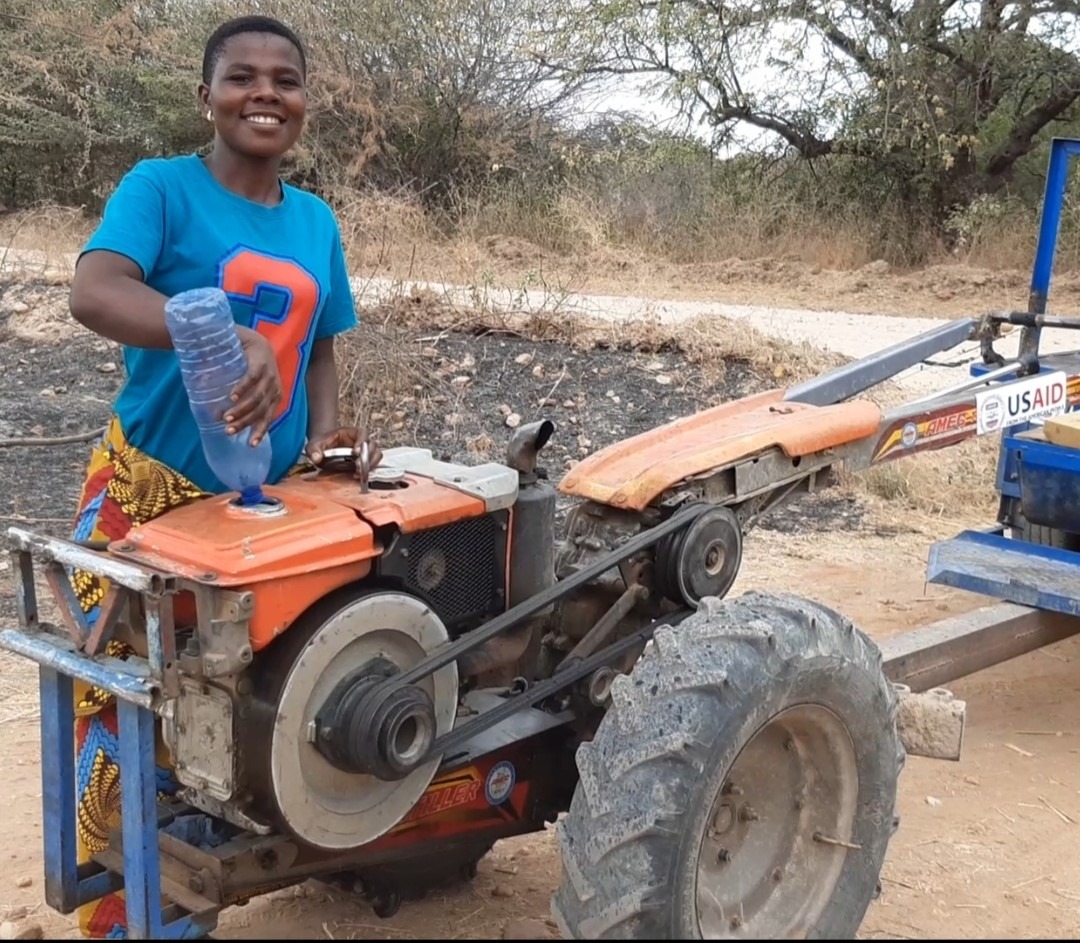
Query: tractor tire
x=1043, y=536
x=1039, y=534
x=757, y=742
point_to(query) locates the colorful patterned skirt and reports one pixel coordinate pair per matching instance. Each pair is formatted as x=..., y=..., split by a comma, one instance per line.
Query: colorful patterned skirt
x=124, y=487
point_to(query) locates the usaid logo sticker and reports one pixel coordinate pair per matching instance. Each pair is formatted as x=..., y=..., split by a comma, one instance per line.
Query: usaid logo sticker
x=500, y=782
x=1032, y=399
x=991, y=413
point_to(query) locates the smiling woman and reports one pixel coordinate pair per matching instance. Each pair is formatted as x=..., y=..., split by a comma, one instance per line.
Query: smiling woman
x=254, y=89
x=225, y=220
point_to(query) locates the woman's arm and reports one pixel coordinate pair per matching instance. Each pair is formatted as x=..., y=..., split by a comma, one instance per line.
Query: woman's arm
x=109, y=297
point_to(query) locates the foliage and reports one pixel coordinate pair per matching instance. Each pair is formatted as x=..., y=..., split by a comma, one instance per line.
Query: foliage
x=941, y=98
x=87, y=89
x=912, y=123
x=424, y=94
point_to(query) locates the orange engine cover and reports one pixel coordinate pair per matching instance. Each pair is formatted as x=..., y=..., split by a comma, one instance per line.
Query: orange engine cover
x=322, y=537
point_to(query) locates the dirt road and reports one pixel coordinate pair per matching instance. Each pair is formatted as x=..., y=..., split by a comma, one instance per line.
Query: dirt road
x=985, y=846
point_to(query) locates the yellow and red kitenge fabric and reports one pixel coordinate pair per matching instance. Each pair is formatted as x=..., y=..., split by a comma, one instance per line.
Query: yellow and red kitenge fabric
x=124, y=487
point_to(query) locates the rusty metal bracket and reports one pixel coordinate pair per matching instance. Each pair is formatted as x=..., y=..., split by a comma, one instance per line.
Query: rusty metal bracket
x=111, y=607
x=224, y=640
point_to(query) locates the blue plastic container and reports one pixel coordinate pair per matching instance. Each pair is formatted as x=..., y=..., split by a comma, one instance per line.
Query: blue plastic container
x=212, y=362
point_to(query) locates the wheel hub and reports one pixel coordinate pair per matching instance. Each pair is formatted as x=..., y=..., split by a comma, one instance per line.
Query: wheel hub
x=701, y=561
x=359, y=732
x=776, y=837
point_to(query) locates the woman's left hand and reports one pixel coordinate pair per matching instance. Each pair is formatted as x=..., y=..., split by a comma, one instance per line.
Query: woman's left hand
x=341, y=438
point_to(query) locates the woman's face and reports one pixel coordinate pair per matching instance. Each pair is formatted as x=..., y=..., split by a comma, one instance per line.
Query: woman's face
x=257, y=95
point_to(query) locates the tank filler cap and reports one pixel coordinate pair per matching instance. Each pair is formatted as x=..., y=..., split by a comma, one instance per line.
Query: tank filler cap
x=255, y=501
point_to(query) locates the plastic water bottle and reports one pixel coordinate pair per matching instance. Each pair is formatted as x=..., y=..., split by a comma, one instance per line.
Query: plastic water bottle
x=212, y=362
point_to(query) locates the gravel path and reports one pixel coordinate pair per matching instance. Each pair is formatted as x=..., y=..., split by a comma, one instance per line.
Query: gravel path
x=847, y=333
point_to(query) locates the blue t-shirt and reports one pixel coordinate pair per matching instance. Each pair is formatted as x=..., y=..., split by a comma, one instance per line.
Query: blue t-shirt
x=281, y=266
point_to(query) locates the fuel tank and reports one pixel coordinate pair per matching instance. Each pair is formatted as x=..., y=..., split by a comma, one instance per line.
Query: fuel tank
x=315, y=531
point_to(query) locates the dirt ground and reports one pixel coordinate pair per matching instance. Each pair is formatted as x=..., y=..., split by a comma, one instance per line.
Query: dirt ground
x=981, y=851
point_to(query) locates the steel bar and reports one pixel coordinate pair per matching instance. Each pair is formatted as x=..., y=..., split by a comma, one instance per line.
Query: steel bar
x=54, y=550
x=941, y=652
x=860, y=375
x=124, y=679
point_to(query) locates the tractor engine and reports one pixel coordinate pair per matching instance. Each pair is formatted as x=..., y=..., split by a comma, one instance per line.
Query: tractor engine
x=301, y=613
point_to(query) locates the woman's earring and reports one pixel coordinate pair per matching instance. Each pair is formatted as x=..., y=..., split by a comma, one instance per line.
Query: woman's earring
x=209, y=116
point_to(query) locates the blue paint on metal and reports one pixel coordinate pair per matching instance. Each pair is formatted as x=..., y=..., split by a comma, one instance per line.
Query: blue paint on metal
x=95, y=883
x=1013, y=570
x=58, y=789
x=1061, y=150
x=126, y=680
x=1049, y=478
x=142, y=875
x=1040, y=452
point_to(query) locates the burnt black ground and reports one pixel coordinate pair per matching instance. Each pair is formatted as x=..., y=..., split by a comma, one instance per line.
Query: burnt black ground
x=59, y=382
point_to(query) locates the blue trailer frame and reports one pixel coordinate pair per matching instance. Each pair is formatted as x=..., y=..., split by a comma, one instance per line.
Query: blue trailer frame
x=1003, y=561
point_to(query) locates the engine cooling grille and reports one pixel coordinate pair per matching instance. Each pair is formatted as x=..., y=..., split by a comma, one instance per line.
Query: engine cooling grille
x=458, y=568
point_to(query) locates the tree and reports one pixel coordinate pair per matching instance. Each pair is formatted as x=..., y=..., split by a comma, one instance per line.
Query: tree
x=423, y=94
x=88, y=88
x=941, y=98
x=427, y=94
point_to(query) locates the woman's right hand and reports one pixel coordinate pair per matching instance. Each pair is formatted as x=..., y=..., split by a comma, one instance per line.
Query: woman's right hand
x=257, y=396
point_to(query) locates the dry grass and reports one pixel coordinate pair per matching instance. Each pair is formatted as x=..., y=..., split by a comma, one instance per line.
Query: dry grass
x=577, y=231
x=390, y=379
x=42, y=239
x=956, y=484
x=383, y=232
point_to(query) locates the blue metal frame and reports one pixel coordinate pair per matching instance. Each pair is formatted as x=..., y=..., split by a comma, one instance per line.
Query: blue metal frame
x=69, y=885
x=989, y=562
x=1062, y=151
x=1013, y=570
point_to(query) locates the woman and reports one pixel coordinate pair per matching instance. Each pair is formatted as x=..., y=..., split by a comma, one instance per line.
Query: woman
x=178, y=223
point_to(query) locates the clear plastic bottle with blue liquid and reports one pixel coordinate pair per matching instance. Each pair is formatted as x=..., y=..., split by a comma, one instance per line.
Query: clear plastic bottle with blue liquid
x=212, y=362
